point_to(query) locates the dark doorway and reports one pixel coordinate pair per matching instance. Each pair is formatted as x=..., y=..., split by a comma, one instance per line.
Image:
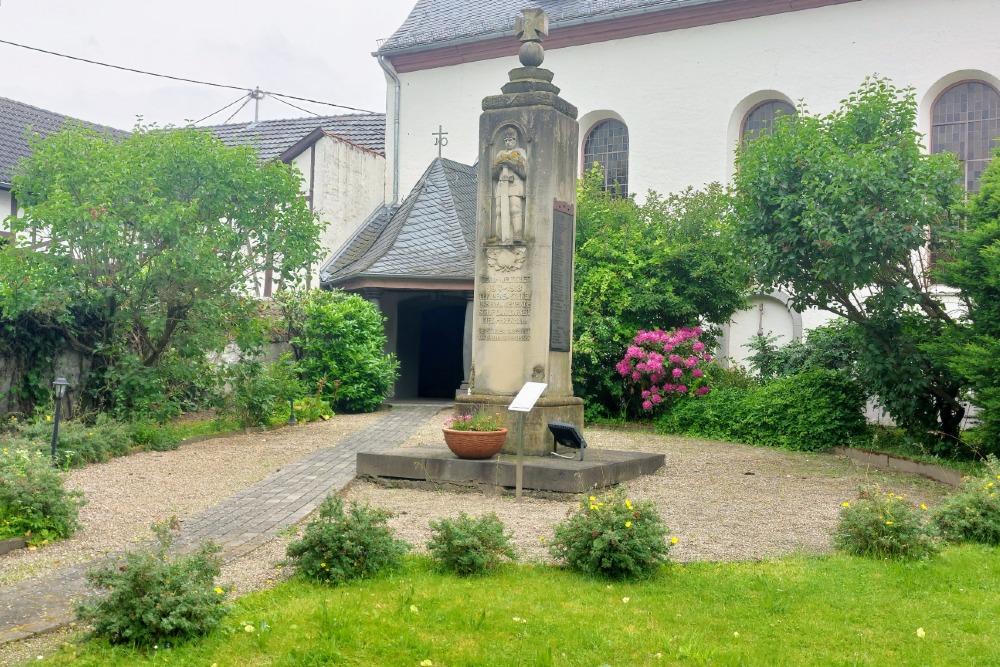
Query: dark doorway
x=440, y=371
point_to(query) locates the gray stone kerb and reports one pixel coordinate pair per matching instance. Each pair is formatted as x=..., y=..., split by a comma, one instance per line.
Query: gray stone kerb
x=241, y=523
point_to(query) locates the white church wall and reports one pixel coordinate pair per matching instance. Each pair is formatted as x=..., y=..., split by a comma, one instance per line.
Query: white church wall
x=348, y=183
x=678, y=91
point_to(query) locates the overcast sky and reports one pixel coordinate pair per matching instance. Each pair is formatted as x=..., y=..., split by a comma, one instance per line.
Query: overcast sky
x=313, y=49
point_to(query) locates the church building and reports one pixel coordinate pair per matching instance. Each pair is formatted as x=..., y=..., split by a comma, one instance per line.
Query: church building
x=666, y=91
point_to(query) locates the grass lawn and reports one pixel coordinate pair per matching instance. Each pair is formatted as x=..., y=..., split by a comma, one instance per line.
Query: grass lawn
x=795, y=611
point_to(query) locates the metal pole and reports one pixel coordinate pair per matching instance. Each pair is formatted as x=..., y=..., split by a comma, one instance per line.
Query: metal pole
x=291, y=412
x=519, y=476
x=55, y=429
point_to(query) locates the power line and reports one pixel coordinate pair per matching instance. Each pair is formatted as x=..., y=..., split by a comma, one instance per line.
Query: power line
x=245, y=102
x=294, y=106
x=177, y=78
x=236, y=101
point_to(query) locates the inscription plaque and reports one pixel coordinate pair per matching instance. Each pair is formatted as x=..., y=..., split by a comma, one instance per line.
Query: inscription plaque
x=504, y=308
x=560, y=318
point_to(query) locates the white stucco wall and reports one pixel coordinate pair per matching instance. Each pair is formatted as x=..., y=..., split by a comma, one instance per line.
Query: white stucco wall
x=4, y=209
x=683, y=93
x=347, y=185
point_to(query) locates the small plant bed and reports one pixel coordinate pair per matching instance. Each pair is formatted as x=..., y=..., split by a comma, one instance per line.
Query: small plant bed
x=793, y=611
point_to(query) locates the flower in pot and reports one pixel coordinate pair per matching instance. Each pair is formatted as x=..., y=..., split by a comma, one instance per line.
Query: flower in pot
x=476, y=436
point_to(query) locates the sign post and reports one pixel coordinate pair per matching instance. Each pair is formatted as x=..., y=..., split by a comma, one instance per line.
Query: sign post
x=522, y=403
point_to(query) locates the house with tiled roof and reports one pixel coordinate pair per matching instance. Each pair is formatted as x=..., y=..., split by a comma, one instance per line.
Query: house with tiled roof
x=666, y=89
x=341, y=160
x=18, y=122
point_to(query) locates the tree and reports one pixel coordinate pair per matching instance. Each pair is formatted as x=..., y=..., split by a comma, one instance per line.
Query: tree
x=150, y=246
x=974, y=268
x=666, y=263
x=839, y=210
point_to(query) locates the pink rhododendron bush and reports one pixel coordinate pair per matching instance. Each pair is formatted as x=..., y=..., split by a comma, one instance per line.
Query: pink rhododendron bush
x=666, y=365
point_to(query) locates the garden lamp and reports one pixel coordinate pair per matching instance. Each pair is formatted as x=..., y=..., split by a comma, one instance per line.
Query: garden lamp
x=60, y=389
x=291, y=412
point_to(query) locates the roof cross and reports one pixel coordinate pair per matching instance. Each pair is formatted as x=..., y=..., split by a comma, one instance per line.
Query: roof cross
x=441, y=140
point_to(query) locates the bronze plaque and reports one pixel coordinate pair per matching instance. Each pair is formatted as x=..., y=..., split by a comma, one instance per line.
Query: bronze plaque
x=561, y=314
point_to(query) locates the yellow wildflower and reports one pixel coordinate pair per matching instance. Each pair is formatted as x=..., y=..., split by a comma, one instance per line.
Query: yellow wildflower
x=593, y=498
x=845, y=504
x=888, y=523
x=673, y=540
x=219, y=590
x=922, y=506
x=628, y=504
x=628, y=524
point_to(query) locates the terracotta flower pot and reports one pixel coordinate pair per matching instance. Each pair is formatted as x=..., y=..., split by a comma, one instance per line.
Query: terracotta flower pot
x=474, y=444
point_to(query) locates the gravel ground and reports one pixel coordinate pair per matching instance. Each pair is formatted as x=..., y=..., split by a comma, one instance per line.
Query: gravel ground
x=722, y=501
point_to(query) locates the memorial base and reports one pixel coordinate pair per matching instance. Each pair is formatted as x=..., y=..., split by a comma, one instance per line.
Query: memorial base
x=537, y=439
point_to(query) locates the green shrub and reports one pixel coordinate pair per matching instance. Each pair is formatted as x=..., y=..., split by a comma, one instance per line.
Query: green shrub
x=340, y=337
x=151, y=436
x=612, y=537
x=155, y=596
x=339, y=546
x=884, y=526
x=33, y=502
x=79, y=443
x=972, y=512
x=313, y=407
x=258, y=390
x=811, y=411
x=467, y=545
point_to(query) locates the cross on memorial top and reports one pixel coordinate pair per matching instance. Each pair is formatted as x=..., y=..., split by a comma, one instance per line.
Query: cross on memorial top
x=531, y=25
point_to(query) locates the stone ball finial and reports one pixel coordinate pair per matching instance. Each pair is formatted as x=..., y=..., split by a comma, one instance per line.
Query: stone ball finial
x=531, y=54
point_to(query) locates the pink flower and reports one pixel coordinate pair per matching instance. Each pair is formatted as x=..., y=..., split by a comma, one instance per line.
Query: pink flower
x=677, y=372
x=682, y=389
x=654, y=390
x=645, y=393
x=698, y=347
x=697, y=372
x=656, y=398
x=636, y=375
x=690, y=362
x=701, y=391
x=647, y=405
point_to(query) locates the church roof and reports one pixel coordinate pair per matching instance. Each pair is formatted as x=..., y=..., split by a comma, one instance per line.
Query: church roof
x=16, y=118
x=432, y=234
x=272, y=138
x=434, y=22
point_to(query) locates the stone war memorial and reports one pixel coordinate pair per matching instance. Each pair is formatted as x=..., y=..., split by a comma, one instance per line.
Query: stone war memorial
x=523, y=299
x=525, y=228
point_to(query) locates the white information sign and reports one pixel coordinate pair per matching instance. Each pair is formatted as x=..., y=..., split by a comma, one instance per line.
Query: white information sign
x=525, y=399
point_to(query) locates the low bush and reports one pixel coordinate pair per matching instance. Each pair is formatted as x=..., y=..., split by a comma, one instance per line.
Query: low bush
x=313, y=407
x=151, y=436
x=258, y=390
x=884, y=526
x=811, y=411
x=341, y=337
x=33, y=502
x=612, y=537
x=467, y=545
x=155, y=596
x=972, y=512
x=79, y=443
x=342, y=545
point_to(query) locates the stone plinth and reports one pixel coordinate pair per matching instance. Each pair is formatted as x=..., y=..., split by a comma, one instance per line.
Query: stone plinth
x=439, y=467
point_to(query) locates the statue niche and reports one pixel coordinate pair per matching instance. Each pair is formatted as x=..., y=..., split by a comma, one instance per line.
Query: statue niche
x=509, y=171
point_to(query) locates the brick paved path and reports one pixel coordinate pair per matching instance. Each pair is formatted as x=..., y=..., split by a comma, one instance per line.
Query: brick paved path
x=239, y=524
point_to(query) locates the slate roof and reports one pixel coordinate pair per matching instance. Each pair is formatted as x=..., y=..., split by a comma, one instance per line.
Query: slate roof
x=274, y=137
x=17, y=117
x=432, y=23
x=431, y=235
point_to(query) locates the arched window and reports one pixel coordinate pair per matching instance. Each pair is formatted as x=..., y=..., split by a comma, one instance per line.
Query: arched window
x=607, y=144
x=761, y=118
x=965, y=120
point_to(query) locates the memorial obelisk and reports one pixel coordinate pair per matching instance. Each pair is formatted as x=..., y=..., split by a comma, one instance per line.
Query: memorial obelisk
x=525, y=232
